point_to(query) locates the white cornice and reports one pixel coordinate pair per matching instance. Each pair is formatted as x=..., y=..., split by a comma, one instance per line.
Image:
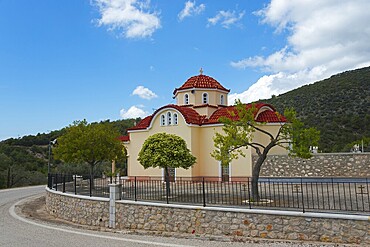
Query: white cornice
x=201, y=89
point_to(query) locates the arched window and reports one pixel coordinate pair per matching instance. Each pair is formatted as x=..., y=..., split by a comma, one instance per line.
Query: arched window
x=186, y=99
x=169, y=118
x=175, y=119
x=205, y=98
x=222, y=100
x=163, y=120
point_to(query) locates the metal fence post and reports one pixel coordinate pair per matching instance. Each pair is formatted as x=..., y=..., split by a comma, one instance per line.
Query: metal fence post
x=135, y=190
x=75, y=183
x=91, y=182
x=49, y=181
x=64, y=183
x=204, y=193
x=56, y=182
x=249, y=194
x=303, y=210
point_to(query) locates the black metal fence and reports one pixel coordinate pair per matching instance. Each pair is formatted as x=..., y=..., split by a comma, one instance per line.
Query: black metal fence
x=303, y=194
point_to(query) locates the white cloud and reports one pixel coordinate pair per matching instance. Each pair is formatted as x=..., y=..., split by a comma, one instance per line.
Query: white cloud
x=226, y=18
x=144, y=93
x=131, y=18
x=133, y=112
x=191, y=9
x=324, y=38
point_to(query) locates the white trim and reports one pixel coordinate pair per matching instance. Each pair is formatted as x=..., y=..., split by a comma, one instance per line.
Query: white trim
x=201, y=89
x=263, y=109
x=93, y=198
x=277, y=123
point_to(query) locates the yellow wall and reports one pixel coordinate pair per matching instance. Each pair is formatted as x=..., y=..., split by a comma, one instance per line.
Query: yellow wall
x=199, y=140
x=211, y=167
x=196, y=98
x=264, y=139
x=138, y=138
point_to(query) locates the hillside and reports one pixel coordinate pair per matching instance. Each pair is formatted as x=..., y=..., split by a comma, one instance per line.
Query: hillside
x=24, y=161
x=338, y=106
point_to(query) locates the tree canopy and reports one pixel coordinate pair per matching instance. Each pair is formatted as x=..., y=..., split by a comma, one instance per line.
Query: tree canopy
x=89, y=143
x=165, y=150
x=239, y=134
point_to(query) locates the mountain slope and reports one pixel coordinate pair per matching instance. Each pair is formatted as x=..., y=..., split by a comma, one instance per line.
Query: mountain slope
x=24, y=161
x=338, y=106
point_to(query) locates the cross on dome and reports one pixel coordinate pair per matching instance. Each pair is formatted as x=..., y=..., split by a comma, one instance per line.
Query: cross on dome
x=201, y=71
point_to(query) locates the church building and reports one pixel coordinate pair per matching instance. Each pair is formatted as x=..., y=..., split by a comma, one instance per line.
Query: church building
x=200, y=102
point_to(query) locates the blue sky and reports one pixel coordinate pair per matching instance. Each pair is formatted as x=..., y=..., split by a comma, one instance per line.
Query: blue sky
x=69, y=60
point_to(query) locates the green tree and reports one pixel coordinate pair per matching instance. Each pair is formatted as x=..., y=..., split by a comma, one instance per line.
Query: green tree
x=165, y=151
x=238, y=134
x=89, y=143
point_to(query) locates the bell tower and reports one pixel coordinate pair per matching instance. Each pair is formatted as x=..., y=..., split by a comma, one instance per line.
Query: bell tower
x=202, y=93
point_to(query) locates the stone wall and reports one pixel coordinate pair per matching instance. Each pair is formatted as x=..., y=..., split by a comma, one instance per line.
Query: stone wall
x=232, y=223
x=78, y=210
x=320, y=165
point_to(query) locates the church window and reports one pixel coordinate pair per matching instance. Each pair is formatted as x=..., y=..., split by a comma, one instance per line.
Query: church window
x=186, y=99
x=169, y=118
x=163, y=120
x=175, y=119
x=222, y=100
x=205, y=98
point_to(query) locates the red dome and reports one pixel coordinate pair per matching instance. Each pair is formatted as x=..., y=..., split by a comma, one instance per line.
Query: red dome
x=201, y=81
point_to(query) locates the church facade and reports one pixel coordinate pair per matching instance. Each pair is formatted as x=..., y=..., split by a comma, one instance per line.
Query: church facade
x=200, y=102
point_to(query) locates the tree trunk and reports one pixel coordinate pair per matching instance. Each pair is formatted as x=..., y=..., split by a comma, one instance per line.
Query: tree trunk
x=255, y=196
x=167, y=178
x=92, y=184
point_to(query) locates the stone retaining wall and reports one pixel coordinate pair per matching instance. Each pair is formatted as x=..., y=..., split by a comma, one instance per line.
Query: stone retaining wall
x=233, y=223
x=78, y=210
x=320, y=165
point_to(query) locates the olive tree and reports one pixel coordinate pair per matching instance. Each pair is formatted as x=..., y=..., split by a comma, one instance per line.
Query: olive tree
x=91, y=144
x=238, y=135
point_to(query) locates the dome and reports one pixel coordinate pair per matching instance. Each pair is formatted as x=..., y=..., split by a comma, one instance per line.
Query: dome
x=201, y=81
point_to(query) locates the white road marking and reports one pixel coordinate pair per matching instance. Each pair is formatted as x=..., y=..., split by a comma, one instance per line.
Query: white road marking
x=14, y=215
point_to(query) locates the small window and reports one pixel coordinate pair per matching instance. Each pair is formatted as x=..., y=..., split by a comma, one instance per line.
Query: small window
x=163, y=120
x=175, y=120
x=205, y=98
x=186, y=99
x=169, y=118
x=222, y=100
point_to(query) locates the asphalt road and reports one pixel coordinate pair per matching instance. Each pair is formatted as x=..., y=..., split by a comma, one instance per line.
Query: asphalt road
x=18, y=231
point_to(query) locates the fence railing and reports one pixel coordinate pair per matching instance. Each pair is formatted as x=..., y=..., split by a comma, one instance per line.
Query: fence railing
x=303, y=194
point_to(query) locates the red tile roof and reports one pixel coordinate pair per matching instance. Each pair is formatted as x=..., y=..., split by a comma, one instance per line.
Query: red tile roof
x=143, y=124
x=124, y=138
x=192, y=117
x=201, y=81
x=270, y=117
